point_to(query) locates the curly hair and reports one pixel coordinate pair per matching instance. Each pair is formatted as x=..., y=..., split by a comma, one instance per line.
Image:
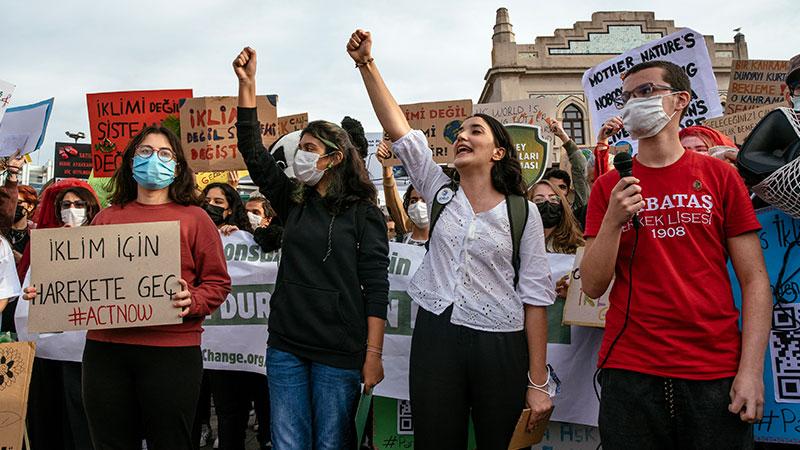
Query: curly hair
x=124, y=188
x=357, y=136
x=350, y=181
x=238, y=215
x=566, y=237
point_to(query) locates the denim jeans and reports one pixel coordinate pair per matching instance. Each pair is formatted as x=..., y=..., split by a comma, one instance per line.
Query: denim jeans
x=312, y=405
x=639, y=411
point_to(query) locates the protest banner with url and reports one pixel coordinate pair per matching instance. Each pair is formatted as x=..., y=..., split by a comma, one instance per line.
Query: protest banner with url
x=579, y=308
x=532, y=150
x=116, y=117
x=686, y=48
x=105, y=276
x=208, y=131
x=780, y=242
x=439, y=121
x=23, y=127
x=72, y=161
x=6, y=91
x=755, y=83
x=738, y=125
x=16, y=363
x=289, y=124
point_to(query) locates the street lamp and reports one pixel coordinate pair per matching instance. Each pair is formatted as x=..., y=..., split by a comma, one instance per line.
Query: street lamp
x=76, y=136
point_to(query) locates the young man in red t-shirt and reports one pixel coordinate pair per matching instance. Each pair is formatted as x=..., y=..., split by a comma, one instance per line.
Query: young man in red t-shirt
x=677, y=372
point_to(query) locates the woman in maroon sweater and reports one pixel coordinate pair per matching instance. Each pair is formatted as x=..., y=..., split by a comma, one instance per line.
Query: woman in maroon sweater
x=147, y=380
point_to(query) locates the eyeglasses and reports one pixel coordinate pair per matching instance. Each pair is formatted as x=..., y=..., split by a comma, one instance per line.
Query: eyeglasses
x=164, y=154
x=641, y=91
x=539, y=199
x=77, y=204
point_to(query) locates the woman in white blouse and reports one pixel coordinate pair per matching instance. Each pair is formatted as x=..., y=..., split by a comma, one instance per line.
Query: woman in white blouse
x=479, y=344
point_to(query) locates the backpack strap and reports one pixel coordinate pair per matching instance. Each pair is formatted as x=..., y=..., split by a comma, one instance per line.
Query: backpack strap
x=517, y=207
x=437, y=207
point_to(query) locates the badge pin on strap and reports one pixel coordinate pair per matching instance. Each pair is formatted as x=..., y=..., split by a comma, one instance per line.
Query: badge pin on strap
x=445, y=195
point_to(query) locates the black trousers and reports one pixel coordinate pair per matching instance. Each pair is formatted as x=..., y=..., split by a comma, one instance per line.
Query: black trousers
x=46, y=412
x=135, y=390
x=233, y=392
x=77, y=431
x=457, y=373
x=639, y=411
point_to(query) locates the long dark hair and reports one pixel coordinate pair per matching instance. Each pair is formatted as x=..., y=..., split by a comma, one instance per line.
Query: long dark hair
x=92, y=206
x=238, y=214
x=124, y=188
x=350, y=181
x=506, y=173
x=566, y=236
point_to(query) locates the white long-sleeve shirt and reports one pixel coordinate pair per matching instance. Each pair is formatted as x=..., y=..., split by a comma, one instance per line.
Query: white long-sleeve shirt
x=468, y=263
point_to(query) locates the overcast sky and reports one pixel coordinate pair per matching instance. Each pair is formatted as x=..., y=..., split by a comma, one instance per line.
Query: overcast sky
x=427, y=50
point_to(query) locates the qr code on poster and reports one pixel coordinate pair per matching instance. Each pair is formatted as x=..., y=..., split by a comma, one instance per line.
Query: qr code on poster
x=404, y=424
x=784, y=348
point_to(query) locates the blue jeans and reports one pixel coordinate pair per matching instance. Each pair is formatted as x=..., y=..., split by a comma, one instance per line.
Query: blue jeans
x=312, y=405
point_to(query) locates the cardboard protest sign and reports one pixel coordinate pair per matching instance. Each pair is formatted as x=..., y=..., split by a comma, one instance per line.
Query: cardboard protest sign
x=288, y=124
x=23, y=127
x=72, y=161
x=116, y=117
x=106, y=276
x=780, y=239
x=533, y=111
x=533, y=151
x=16, y=363
x=579, y=308
x=522, y=438
x=686, y=48
x=440, y=122
x=755, y=83
x=6, y=90
x=208, y=131
x=203, y=179
x=738, y=125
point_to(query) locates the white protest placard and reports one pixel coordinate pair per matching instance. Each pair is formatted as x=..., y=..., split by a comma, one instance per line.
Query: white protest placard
x=106, y=276
x=6, y=91
x=23, y=127
x=685, y=48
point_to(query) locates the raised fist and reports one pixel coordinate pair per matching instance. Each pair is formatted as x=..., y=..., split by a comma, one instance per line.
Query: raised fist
x=359, y=47
x=383, y=152
x=245, y=65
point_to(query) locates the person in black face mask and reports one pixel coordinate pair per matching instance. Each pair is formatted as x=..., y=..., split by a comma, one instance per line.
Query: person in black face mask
x=225, y=208
x=19, y=232
x=561, y=230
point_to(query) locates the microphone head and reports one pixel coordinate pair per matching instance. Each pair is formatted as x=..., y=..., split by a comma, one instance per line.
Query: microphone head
x=624, y=164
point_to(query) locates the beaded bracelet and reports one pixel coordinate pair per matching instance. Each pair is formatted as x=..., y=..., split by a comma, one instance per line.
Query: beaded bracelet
x=362, y=64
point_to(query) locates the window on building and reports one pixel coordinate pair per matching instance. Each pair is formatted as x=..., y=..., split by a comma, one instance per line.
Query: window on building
x=573, y=124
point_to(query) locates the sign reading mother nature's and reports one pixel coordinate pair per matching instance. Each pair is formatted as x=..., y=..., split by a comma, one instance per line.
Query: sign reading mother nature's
x=686, y=48
x=208, y=131
x=106, y=276
x=116, y=117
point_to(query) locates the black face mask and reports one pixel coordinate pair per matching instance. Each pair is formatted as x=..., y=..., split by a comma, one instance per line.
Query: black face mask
x=21, y=211
x=551, y=213
x=215, y=212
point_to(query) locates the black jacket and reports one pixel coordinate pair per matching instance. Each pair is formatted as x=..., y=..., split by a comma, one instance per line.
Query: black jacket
x=320, y=305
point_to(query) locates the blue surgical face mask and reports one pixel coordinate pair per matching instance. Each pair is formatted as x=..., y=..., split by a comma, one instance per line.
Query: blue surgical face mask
x=152, y=173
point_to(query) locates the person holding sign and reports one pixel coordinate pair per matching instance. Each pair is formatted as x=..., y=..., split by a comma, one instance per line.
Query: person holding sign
x=328, y=311
x=480, y=337
x=147, y=379
x=676, y=370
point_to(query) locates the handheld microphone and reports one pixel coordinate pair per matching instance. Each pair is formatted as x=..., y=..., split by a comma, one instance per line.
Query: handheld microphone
x=624, y=165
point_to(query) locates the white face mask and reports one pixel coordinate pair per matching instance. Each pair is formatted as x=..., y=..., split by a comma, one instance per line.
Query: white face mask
x=255, y=220
x=305, y=167
x=73, y=217
x=796, y=102
x=645, y=117
x=418, y=213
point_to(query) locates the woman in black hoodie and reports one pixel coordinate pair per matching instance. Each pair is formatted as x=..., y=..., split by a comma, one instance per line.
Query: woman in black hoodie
x=328, y=311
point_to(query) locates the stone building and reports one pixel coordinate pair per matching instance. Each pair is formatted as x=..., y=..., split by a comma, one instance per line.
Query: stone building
x=553, y=65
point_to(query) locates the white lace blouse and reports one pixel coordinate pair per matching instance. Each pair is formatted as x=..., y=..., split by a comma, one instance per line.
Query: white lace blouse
x=468, y=264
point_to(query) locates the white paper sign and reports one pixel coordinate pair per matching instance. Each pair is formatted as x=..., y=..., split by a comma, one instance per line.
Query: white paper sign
x=686, y=48
x=6, y=90
x=26, y=125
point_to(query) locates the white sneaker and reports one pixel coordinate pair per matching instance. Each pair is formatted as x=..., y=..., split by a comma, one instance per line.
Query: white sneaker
x=205, y=435
x=216, y=442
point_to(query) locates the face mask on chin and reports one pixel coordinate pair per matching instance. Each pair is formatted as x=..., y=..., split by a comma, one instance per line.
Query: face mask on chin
x=645, y=117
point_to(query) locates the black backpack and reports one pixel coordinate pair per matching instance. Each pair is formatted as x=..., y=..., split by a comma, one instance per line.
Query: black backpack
x=517, y=208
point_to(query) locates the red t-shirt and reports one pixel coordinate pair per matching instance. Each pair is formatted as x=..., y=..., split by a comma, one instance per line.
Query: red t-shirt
x=683, y=322
x=203, y=267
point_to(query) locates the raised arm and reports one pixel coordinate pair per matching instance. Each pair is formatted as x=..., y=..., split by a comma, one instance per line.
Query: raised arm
x=264, y=171
x=386, y=108
x=394, y=203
